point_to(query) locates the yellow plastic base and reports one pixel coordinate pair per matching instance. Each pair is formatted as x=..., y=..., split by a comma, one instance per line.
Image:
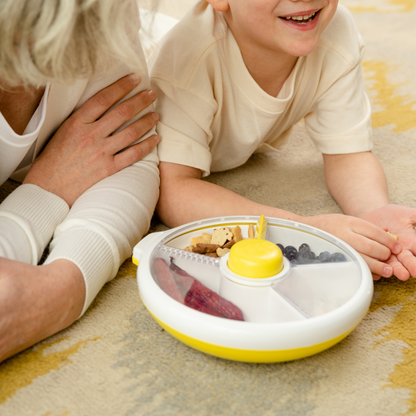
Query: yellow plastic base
x=252, y=356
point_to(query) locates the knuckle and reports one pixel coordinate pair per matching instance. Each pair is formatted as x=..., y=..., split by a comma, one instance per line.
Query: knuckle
x=125, y=110
x=132, y=132
x=102, y=100
x=108, y=170
x=145, y=98
x=71, y=123
x=137, y=152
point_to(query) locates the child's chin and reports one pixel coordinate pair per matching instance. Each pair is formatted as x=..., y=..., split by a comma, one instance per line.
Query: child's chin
x=303, y=49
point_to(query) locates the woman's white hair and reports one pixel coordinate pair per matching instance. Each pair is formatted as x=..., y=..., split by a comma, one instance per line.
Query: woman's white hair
x=59, y=40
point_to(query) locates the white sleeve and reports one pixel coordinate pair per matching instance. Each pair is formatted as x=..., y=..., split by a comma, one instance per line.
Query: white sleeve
x=103, y=225
x=106, y=222
x=28, y=218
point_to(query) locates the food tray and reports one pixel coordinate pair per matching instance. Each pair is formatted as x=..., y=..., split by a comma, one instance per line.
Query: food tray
x=312, y=308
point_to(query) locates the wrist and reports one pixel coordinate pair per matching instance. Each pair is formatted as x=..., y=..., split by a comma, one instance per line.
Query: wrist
x=69, y=288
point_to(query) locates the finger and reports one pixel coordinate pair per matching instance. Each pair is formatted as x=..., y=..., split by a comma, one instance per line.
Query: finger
x=125, y=111
x=135, y=153
x=97, y=105
x=408, y=241
x=380, y=236
x=398, y=269
x=376, y=277
x=408, y=260
x=367, y=246
x=131, y=133
x=377, y=267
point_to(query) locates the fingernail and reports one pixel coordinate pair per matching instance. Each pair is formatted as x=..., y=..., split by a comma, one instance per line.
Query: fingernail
x=398, y=248
x=156, y=139
x=388, y=271
x=155, y=116
x=152, y=95
x=135, y=78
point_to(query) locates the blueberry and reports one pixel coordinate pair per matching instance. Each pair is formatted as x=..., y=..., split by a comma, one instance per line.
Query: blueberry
x=324, y=257
x=304, y=245
x=290, y=252
x=337, y=257
x=305, y=253
x=280, y=246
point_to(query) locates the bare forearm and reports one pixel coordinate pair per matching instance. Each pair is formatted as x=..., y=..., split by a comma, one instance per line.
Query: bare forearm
x=36, y=302
x=184, y=199
x=357, y=182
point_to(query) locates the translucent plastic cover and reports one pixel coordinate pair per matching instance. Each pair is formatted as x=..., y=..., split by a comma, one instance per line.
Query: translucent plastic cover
x=324, y=276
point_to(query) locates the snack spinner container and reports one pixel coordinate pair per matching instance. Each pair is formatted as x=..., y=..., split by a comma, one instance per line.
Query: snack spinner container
x=253, y=304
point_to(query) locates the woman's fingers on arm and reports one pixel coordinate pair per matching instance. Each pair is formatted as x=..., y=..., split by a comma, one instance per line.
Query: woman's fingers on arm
x=135, y=153
x=97, y=105
x=125, y=111
x=131, y=133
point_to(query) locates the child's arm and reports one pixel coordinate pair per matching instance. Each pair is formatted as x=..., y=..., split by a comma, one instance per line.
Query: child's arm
x=358, y=183
x=185, y=198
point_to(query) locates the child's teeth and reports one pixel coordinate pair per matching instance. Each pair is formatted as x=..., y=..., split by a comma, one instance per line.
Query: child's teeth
x=300, y=17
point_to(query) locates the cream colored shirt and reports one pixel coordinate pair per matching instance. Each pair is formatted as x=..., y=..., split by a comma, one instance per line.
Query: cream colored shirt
x=100, y=230
x=214, y=116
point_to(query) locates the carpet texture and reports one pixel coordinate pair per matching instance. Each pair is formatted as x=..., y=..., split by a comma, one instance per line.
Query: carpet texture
x=116, y=360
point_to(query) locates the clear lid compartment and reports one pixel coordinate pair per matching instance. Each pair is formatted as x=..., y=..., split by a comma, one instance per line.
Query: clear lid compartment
x=312, y=289
x=192, y=280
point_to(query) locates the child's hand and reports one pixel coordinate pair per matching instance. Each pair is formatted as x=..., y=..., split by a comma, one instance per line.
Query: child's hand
x=372, y=242
x=399, y=220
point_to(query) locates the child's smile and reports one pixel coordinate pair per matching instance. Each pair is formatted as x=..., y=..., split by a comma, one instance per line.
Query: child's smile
x=303, y=20
x=279, y=28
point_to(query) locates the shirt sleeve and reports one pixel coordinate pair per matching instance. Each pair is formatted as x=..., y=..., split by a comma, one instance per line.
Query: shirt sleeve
x=340, y=120
x=106, y=222
x=28, y=218
x=184, y=127
x=100, y=230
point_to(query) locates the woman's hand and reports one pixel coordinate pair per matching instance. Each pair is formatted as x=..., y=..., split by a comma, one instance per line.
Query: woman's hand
x=399, y=220
x=372, y=242
x=83, y=152
x=36, y=302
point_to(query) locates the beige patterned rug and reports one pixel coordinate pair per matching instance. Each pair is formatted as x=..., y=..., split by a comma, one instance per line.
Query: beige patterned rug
x=117, y=361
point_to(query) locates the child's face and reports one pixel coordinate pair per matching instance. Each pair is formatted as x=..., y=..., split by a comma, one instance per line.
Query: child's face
x=289, y=26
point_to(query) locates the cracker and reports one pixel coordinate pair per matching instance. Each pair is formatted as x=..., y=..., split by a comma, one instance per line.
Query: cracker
x=221, y=236
x=237, y=234
x=251, y=232
x=209, y=248
x=229, y=244
x=207, y=237
x=222, y=251
x=197, y=240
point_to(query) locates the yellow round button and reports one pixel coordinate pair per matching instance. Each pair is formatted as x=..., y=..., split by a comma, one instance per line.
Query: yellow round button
x=255, y=258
